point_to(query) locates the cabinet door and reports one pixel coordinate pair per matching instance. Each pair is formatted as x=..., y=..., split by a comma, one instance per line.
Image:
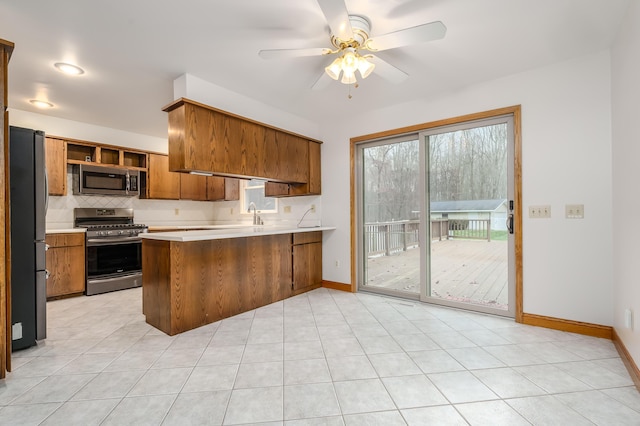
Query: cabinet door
x=215, y=188
x=66, y=268
x=56, y=160
x=223, y=189
x=307, y=266
x=231, y=189
x=315, y=177
x=193, y=187
x=275, y=189
x=161, y=183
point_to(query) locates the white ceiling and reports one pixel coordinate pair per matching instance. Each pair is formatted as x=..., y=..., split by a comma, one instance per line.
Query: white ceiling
x=132, y=50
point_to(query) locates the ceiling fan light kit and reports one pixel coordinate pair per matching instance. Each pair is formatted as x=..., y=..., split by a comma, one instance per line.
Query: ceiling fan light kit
x=350, y=35
x=348, y=64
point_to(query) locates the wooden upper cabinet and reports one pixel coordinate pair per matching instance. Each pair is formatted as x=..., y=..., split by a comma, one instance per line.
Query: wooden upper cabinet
x=223, y=189
x=56, y=161
x=193, y=187
x=313, y=186
x=161, y=183
x=205, y=139
x=82, y=152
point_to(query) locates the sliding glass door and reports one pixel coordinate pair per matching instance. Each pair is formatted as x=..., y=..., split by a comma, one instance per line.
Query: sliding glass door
x=436, y=215
x=390, y=223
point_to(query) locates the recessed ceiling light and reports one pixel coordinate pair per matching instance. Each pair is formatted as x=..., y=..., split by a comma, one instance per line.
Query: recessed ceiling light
x=41, y=104
x=68, y=68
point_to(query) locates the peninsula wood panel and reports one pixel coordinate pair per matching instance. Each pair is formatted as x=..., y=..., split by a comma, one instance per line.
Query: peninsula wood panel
x=56, y=161
x=190, y=284
x=156, y=283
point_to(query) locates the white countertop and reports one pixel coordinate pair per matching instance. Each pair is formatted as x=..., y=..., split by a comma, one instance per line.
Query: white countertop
x=229, y=231
x=65, y=231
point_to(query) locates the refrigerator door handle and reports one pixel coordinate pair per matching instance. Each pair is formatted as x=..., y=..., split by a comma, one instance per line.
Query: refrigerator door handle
x=46, y=192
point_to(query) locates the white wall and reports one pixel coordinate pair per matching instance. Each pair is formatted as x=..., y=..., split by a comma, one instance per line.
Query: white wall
x=626, y=176
x=196, y=89
x=566, y=129
x=86, y=132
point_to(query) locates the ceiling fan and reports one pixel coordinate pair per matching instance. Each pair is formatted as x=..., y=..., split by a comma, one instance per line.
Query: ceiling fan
x=354, y=49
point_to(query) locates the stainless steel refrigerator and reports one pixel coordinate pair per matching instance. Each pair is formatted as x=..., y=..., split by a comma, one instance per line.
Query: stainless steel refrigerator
x=28, y=197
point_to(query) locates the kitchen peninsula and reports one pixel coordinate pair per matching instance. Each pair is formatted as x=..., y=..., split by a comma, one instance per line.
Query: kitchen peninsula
x=193, y=278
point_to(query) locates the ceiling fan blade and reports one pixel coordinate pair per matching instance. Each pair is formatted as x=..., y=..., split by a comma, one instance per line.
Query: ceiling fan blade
x=414, y=35
x=335, y=11
x=322, y=82
x=387, y=71
x=292, y=53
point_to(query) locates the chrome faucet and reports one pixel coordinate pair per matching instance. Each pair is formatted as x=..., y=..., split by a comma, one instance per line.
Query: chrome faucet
x=256, y=218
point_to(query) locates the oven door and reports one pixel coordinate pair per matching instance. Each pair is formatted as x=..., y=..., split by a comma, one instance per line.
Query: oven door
x=108, y=257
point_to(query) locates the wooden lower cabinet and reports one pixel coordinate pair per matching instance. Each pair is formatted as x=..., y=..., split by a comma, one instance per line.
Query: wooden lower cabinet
x=307, y=261
x=66, y=264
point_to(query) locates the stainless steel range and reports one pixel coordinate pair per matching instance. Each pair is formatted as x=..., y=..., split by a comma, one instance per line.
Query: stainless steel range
x=114, y=248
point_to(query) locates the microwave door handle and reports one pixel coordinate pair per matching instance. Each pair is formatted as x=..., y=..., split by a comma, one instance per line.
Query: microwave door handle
x=127, y=184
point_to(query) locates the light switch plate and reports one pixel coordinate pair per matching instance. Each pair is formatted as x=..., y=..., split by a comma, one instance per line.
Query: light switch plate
x=539, y=212
x=574, y=211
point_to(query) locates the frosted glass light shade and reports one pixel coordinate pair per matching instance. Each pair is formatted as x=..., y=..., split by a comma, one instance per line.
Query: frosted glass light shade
x=334, y=69
x=365, y=67
x=348, y=78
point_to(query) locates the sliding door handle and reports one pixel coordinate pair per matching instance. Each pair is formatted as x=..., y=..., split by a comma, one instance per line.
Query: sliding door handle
x=510, y=223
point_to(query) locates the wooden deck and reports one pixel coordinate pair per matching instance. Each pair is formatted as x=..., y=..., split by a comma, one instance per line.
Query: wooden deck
x=462, y=270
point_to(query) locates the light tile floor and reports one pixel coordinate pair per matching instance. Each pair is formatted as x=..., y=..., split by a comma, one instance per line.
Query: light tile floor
x=324, y=357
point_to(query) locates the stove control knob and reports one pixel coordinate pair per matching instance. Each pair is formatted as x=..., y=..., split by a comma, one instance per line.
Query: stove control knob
x=120, y=232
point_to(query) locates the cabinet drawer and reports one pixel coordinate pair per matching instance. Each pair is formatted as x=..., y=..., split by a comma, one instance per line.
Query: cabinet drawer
x=65, y=240
x=307, y=237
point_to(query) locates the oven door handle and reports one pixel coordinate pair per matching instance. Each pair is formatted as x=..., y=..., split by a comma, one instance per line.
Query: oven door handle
x=107, y=241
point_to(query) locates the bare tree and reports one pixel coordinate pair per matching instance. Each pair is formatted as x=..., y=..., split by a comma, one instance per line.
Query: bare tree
x=467, y=164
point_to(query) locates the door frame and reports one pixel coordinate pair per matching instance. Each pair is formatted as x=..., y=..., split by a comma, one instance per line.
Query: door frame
x=515, y=111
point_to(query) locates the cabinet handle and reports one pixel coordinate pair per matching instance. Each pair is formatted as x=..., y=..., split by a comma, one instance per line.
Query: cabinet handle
x=47, y=274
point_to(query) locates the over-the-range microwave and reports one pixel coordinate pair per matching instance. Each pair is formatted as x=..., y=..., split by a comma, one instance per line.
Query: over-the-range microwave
x=100, y=180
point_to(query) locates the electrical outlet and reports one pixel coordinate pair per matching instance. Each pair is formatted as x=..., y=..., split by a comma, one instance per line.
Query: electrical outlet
x=231, y=210
x=313, y=208
x=176, y=212
x=628, y=318
x=539, y=212
x=337, y=263
x=287, y=209
x=574, y=211
x=16, y=331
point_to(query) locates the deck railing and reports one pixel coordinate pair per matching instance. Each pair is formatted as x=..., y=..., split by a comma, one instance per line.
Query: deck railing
x=386, y=238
